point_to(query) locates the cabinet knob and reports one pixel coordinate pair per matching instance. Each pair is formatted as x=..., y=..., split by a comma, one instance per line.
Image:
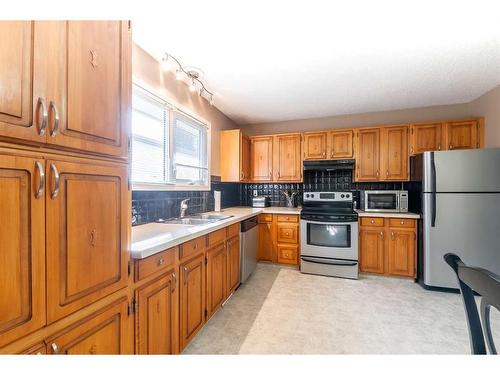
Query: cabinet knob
x=54, y=348
x=402, y=222
x=451, y=146
x=373, y=221
x=161, y=261
x=382, y=234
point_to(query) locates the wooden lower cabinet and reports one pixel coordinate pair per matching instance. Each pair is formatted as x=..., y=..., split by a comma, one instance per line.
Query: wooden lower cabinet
x=233, y=264
x=40, y=348
x=287, y=254
x=104, y=332
x=279, y=238
x=156, y=316
x=266, y=247
x=192, y=290
x=216, y=278
x=388, y=246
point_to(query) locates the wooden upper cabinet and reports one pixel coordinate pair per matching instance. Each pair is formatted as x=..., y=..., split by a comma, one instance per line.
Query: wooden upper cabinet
x=261, y=151
x=233, y=264
x=394, y=153
x=234, y=156
x=87, y=219
x=371, y=257
x=287, y=157
x=16, y=96
x=83, y=69
x=315, y=145
x=156, y=315
x=22, y=247
x=401, y=252
x=367, y=154
x=245, y=159
x=425, y=137
x=340, y=144
x=102, y=333
x=216, y=278
x=462, y=135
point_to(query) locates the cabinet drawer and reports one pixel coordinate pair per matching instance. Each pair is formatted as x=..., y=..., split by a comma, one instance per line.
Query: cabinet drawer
x=402, y=223
x=265, y=218
x=287, y=233
x=372, y=221
x=288, y=254
x=192, y=247
x=216, y=237
x=155, y=263
x=233, y=230
x=288, y=218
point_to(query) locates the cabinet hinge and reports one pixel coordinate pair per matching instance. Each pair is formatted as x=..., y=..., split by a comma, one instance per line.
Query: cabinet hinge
x=132, y=306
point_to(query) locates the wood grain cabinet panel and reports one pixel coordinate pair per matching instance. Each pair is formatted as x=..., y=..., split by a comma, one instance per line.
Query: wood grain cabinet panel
x=216, y=278
x=287, y=233
x=287, y=254
x=401, y=252
x=341, y=144
x=371, y=250
x=156, y=316
x=102, y=333
x=22, y=247
x=462, y=135
x=192, y=290
x=287, y=157
x=368, y=154
x=16, y=69
x=394, y=153
x=425, y=137
x=233, y=264
x=86, y=224
x=261, y=151
x=235, y=156
x=315, y=145
x=266, y=248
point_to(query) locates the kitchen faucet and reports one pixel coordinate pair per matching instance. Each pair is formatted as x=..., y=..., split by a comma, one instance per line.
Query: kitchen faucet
x=184, y=207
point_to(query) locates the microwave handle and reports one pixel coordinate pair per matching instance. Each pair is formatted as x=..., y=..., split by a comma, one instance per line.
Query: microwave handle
x=398, y=201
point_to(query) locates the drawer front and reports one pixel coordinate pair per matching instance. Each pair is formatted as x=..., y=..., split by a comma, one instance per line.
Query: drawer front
x=192, y=247
x=233, y=230
x=216, y=237
x=287, y=233
x=155, y=263
x=288, y=254
x=265, y=218
x=288, y=218
x=402, y=223
x=372, y=221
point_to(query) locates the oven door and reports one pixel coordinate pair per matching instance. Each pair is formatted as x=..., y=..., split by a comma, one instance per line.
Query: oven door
x=381, y=201
x=334, y=240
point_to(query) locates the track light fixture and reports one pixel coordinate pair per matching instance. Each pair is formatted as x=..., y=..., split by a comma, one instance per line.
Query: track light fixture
x=193, y=75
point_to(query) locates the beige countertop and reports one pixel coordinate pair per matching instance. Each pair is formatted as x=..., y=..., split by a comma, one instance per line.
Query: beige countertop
x=149, y=239
x=397, y=215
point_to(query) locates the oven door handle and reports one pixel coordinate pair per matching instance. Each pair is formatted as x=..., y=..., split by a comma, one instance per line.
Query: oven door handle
x=335, y=262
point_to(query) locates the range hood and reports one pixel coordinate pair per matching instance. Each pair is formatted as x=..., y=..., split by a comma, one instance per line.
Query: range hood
x=329, y=165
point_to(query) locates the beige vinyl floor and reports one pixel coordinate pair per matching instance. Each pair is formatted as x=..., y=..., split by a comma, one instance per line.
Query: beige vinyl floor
x=282, y=311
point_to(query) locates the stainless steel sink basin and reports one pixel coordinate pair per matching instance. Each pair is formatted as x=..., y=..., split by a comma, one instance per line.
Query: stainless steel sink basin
x=197, y=219
x=214, y=217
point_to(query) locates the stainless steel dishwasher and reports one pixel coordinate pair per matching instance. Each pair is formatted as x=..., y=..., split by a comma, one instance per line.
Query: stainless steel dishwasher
x=249, y=237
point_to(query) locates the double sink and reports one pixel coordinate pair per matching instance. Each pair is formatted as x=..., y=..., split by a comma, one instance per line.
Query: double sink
x=201, y=219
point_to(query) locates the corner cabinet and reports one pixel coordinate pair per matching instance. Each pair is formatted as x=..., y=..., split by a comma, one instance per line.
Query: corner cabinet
x=462, y=135
x=234, y=156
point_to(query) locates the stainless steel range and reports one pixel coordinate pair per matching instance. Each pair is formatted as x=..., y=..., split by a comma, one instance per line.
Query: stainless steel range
x=329, y=235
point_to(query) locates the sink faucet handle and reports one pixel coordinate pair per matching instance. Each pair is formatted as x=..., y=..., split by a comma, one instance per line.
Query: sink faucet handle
x=184, y=202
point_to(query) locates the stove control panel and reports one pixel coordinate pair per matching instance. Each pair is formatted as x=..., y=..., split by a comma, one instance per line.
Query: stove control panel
x=331, y=196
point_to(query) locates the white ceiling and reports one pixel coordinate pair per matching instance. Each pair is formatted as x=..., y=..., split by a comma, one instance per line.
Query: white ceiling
x=273, y=61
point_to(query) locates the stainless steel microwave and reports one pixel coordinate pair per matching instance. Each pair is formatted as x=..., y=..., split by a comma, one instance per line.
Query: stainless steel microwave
x=385, y=201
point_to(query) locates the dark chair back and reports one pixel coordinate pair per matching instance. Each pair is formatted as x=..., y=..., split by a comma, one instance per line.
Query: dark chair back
x=487, y=285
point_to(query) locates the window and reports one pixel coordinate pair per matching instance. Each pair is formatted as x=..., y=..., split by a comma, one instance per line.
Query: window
x=169, y=147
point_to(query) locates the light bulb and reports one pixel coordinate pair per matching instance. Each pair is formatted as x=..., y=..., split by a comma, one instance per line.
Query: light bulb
x=192, y=86
x=178, y=74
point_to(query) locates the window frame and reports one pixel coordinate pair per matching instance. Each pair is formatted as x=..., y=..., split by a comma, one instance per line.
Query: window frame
x=172, y=185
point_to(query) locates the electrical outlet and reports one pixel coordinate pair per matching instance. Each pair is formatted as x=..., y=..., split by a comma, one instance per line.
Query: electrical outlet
x=255, y=193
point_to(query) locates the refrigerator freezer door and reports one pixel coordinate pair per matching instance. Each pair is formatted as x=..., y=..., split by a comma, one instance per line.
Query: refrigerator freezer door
x=462, y=171
x=467, y=225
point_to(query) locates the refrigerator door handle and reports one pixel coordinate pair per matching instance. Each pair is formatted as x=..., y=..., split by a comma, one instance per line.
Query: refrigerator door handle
x=433, y=191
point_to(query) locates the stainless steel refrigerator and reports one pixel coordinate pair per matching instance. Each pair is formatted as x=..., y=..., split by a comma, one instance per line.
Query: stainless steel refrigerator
x=460, y=206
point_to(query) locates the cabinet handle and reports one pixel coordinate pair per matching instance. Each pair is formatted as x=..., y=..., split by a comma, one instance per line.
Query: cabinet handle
x=41, y=180
x=54, y=348
x=174, y=282
x=55, y=129
x=271, y=174
x=55, y=172
x=402, y=222
x=373, y=221
x=387, y=173
x=382, y=234
x=411, y=149
x=43, y=125
x=278, y=174
x=439, y=147
x=377, y=174
x=451, y=146
x=185, y=275
x=333, y=153
x=161, y=261
x=324, y=154
x=242, y=175
x=392, y=236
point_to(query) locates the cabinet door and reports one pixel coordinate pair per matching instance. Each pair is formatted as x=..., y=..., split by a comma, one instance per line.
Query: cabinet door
x=261, y=150
x=94, y=101
x=265, y=251
x=216, y=278
x=287, y=254
x=192, y=298
x=102, y=333
x=401, y=252
x=16, y=98
x=315, y=145
x=367, y=154
x=371, y=250
x=245, y=158
x=233, y=264
x=394, y=153
x=462, y=135
x=87, y=219
x=156, y=316
x=287, y=158
x=287, y=233
x=425, y=137
x=340, y=144
x=22, y=247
